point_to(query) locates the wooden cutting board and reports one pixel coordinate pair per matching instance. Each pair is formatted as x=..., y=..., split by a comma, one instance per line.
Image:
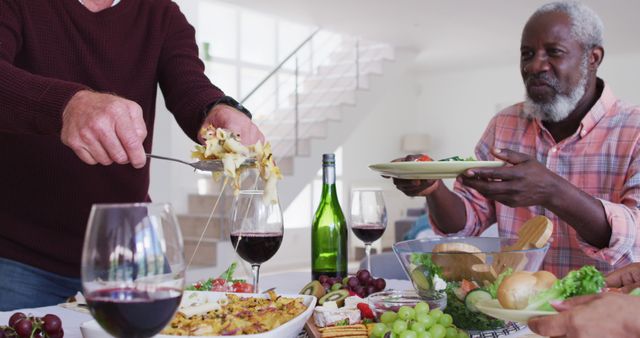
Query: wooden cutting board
x=312, y=329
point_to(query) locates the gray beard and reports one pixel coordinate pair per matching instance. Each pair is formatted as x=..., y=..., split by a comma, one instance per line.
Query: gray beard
x=562, y=104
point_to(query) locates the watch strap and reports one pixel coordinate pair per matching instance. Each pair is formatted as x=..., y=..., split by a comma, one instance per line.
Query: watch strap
x=231, y=102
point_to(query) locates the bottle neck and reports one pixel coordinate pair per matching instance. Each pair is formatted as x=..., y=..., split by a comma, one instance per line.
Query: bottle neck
x=328, y=175
x=329, y=183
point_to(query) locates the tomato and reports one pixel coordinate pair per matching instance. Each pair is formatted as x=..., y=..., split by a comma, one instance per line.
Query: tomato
x=424, y=158
x=218, y=282
x=467, y=286
x=242, y=287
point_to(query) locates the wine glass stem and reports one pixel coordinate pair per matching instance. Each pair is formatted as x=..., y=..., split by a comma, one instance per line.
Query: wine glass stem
x=367, y=251
x=255, y=269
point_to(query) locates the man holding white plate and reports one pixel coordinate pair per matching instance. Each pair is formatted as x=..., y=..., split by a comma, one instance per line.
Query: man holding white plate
x=570, y=150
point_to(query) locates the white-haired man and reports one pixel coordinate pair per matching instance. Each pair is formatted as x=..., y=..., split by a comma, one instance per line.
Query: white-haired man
x=571, y=150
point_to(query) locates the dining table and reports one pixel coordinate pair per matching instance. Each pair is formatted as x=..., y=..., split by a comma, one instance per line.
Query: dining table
x=284, y=283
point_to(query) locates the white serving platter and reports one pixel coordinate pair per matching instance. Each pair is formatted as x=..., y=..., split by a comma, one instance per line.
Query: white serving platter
x=91, y=329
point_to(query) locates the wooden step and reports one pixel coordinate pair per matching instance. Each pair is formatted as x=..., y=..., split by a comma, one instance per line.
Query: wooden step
x=310, y=129
x=207, y=251
x=193, y=225
x=203, y=204
x=327, y=112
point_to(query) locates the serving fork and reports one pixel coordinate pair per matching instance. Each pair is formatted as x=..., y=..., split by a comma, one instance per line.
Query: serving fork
x=202, y=165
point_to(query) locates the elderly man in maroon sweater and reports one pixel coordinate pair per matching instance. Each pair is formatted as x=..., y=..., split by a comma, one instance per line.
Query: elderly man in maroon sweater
x=78, y=86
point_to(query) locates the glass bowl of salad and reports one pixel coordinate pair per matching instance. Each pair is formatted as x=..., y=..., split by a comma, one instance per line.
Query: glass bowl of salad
x=464, y=271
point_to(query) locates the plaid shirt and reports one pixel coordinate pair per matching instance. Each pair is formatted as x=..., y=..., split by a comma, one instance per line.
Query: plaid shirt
x=602, y=159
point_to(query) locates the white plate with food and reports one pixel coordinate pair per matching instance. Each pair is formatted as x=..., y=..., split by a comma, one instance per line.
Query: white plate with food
x=208, y=300
x=492, y=307
x=431, y=169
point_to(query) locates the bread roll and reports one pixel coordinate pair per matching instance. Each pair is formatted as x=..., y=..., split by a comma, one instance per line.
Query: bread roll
x=515, y=290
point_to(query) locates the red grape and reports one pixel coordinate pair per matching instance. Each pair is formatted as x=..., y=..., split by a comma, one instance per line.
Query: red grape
x=323, y=279
x=52, y=323
x=353, y=283
x=331, y=281
x=370, y=289
x=380, y=284
x=23, y=328
x=49, y=326
x=59, y=334
x=16, y=317
x=363, y=276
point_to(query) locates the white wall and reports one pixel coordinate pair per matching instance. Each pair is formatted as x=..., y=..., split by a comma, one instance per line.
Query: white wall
x=455, y=106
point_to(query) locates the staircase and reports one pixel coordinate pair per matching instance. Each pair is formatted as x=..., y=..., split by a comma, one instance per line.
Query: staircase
x=297, y=107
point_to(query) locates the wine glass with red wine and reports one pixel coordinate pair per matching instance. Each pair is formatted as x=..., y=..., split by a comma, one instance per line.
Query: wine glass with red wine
x=256, y=229
x=133, y=267
x=368, y=217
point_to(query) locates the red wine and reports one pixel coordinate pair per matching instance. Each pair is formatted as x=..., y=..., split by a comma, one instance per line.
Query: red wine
x=368, y=233
x=133, y=313
x=256, y=247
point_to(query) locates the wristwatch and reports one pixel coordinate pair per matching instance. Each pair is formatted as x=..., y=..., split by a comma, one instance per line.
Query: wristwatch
x=231, y=102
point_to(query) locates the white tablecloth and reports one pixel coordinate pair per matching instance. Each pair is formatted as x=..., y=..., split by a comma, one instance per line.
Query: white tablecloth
x=285, y=283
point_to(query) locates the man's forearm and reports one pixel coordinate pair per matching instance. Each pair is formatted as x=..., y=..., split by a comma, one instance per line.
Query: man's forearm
x=447, y=209
x=583, y=212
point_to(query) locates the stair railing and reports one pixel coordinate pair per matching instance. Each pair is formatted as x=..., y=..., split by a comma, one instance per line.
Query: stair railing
x=321, y=50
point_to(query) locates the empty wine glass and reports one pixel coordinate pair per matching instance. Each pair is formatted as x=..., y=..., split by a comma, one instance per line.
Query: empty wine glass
x=133, y=267
x=256, y=229
x=368, y=217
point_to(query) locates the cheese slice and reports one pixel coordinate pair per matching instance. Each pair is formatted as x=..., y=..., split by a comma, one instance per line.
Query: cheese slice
x=326, y=317
x=198, y=309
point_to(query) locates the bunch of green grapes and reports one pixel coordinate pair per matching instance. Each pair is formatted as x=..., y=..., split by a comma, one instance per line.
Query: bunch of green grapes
x=416, y=322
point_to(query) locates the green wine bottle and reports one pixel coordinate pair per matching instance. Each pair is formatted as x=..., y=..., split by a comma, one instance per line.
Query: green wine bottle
x=329, y=230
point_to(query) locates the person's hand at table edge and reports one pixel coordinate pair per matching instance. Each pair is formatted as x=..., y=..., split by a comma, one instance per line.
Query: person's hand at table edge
x=602, y=315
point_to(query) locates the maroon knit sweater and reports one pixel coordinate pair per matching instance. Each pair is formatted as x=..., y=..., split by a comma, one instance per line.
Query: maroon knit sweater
x=50, y=49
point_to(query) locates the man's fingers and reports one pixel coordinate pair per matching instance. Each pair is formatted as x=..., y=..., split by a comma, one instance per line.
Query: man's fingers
x=110, y=140
x=573, y=302
x=553, y=326
x=630, y=287
x=85, y=156
x=510, y=156
x=486, y=186
x=613, y=280
x=135, y=113
x=252, y=137
x=93, y=144
x=132, y=144
x=628, y=275
x=411, y=187
x=408, y=184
